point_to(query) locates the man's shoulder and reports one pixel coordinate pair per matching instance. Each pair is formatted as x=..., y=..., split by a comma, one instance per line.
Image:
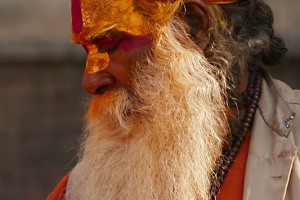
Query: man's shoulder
x=279, y=107
x=291, y=96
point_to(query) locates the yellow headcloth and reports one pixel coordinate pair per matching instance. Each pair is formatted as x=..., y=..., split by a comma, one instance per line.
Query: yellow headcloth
x=104, y=14
x=101, y=19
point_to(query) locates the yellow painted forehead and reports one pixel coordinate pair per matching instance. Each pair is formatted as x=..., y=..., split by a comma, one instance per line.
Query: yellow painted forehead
x=92, y=18
x=107, y=14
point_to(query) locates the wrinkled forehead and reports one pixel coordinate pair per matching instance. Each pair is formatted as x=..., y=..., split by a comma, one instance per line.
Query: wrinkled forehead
x=95, y=17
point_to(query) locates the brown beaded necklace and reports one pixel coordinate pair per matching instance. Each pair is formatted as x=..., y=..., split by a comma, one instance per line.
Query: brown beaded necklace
x=251, y=98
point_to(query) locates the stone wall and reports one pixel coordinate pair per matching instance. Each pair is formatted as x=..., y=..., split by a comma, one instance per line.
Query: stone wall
x=42, y=109
x=42, y=102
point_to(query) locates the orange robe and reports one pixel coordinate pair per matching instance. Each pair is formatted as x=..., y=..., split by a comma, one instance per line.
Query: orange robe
x=60, y=190
x=233, y=184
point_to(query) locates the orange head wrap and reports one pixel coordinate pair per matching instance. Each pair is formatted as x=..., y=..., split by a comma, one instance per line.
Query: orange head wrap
x=86, y=12
x=94, y=19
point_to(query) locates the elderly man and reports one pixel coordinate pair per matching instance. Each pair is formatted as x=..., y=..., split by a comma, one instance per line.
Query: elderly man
x=181, y=107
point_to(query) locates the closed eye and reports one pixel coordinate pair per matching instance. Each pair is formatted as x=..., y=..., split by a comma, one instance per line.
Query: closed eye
x=110, y=44
x=112, y=49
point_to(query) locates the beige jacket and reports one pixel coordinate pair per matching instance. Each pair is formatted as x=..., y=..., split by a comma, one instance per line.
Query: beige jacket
x=273, y=166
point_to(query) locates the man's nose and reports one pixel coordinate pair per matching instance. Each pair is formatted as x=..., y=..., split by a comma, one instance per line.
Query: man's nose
x=98, y=83
x=96, y=80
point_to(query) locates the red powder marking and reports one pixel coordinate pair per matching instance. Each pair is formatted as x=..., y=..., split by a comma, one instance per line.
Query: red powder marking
x=110, y=42
x=77, y=23
x=125, y=43
x=134, y=42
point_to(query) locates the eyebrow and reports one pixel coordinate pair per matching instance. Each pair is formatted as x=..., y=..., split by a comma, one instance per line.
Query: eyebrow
x=90, y=38
x=96, y=34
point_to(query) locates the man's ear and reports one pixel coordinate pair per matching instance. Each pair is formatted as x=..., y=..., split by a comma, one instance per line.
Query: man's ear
x=196, y=15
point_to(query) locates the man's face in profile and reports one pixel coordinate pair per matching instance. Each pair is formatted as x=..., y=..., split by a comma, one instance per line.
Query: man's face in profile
x=157, y=105
x=104, y=28
x=116, y=35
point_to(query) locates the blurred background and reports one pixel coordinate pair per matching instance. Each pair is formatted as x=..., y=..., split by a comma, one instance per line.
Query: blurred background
x=42, y=103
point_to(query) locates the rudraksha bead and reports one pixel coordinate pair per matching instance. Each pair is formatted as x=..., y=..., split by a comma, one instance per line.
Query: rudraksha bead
x=251, y=98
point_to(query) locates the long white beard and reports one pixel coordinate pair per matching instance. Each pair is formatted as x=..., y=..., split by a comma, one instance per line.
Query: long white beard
x=160, y=140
